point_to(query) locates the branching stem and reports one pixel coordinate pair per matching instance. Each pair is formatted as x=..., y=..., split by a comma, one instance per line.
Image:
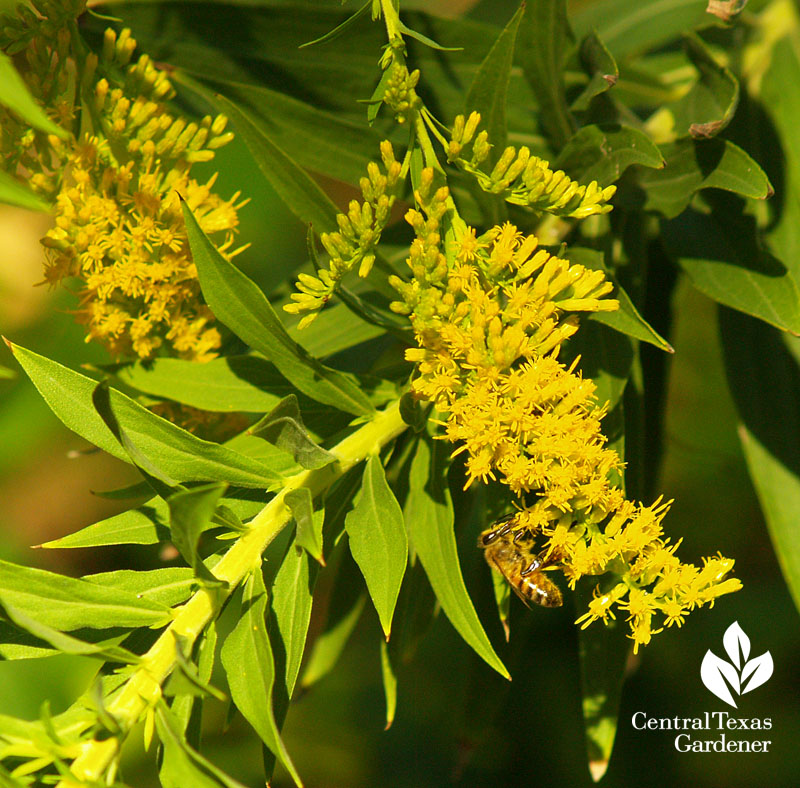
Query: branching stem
x=143, y=688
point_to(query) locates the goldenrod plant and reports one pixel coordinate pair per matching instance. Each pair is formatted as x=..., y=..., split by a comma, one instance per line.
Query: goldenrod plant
x=452, y=368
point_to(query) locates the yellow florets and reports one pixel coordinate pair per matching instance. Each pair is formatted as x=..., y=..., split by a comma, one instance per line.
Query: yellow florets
x=490, y=313
x=119, y=236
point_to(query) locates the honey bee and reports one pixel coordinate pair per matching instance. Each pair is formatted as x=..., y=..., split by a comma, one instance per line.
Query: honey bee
x=511, y=554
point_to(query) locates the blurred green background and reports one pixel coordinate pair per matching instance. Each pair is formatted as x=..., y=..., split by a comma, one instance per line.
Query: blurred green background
x=457, y=722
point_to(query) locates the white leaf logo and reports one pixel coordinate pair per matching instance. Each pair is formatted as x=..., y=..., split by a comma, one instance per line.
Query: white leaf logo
x=738, y=675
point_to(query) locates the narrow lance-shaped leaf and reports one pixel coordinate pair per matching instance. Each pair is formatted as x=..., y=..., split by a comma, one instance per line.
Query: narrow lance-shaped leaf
x=294, y=186
x=12, y=192
x=603, y=652
x=340, y=29
x=309, y=523
x=177, y=452
x=160, y=481
x=765, y=383
x=378, y=540
x=545, y=38
x=389, y=683
x=183, y=766
x=190, y=514
x=723, y=257
x=626, y=319
x=238, y=302
x=14, y=95
x=291, y=602
x=488, y=91
x=108, y=650
x=247, y=658
x=429, y=512
x=66, y=603
x=283, y=426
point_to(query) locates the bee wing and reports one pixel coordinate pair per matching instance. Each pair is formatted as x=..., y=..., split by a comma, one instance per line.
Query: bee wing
x=513, y=585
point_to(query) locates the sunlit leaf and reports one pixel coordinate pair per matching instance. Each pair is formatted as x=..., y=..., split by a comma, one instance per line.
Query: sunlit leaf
x=692, y=165
x=247, y=658
x=14, y=95
x=283, y=426
x=309, y=522
x=66, y=603
x=429, y=513
x=238, y=302
x=545, y=38
x=378, y=540
x=179, y=453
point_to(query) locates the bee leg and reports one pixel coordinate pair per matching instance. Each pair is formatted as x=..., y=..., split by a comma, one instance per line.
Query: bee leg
x=532, y=567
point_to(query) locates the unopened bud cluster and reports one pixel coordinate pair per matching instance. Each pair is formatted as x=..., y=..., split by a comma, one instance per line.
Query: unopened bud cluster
x=353, y=245
x=523, y=179
x=400, y=94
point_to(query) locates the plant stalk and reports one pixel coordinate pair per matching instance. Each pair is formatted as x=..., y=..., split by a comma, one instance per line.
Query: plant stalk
x=143, y=688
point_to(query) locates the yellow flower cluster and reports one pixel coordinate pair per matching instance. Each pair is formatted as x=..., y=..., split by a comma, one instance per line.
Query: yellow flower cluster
x=489, y=314
x=353, y=246
x=522, y=179
x=119, y=235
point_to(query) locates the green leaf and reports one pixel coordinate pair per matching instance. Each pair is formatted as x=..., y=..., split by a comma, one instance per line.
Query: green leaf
x=626, y=319
x=545, y=40
x=603, y=652
x=488, y=91
x=168, y=586
x=764, y=380
x=378, y=540
x=283, y=426
x=232, y=384
x=603, y=153
x=429, y=513
x=190, y=514
x=238, y=303
x=306, y=134
x=188, y=709
x=692, y=165
x=709, y=106
x=66, y=603
x=159, y=480
x=247, y=658
x=186, y=679
x=147, y=524
x=298, y=191
x=502, y=598
x=429, y=42
x=328, y=647
x=177, y=452
x=14, y=95
x=342, y=28
x=66, y=644
x=336, y=328
x=291, y=602
x=722, y=256
x=628, y=27
x=12, y=192
x=389, y=684
x=183, y=766
x=601, y=68
x=309, y=522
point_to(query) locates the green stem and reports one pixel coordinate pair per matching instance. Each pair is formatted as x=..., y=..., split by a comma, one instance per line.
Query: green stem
x=143, y=688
